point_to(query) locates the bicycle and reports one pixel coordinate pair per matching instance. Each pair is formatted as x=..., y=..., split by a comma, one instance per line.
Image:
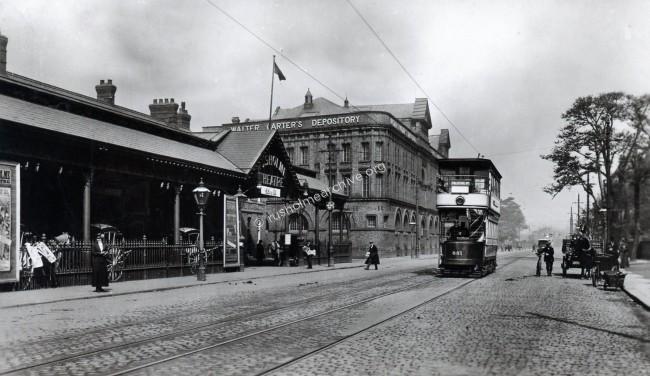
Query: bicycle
x=116, y=263
x=194, y=257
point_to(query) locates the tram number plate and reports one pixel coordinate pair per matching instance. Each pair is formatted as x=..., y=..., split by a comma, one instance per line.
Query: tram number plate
x=456, y=252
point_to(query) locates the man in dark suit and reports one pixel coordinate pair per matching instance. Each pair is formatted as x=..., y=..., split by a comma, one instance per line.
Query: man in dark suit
x=373, y=256
x=99, y=264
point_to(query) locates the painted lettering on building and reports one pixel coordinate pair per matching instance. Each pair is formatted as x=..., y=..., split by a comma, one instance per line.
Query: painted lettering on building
x=297, y=124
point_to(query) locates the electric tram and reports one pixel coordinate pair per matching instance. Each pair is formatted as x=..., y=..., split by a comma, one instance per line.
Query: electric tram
x=468, y=203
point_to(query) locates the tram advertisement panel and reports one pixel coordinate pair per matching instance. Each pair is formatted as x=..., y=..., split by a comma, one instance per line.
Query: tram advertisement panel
x=230, y=254
x=9, y=221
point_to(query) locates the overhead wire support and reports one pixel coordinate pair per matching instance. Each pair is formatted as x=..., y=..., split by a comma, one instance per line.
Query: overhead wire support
x=411, y=76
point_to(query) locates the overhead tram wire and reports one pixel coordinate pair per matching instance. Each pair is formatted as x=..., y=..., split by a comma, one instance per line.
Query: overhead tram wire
x=279, y=52
x=411, y=76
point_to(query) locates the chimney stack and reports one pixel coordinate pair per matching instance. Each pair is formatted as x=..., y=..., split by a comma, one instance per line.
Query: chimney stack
x=3, y=54
x=106, y=91
x=168, y=111
x=183, y=118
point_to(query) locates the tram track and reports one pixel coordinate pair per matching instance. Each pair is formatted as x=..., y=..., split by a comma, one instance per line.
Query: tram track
x=364, y=330
x=320, y=349
x=190, y=311
x=212, y=324
x=42, y=366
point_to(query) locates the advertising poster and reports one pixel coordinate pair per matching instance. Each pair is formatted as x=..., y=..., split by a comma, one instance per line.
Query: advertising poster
x=230, y=252
x=9, y=220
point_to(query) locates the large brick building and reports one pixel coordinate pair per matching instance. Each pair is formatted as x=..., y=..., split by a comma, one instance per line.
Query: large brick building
x=394, y=140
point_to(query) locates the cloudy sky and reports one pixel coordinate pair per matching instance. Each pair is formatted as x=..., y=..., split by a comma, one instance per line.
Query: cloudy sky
x=502, y=71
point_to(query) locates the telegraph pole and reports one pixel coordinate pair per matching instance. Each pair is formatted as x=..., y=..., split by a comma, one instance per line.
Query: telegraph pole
x=571, y=221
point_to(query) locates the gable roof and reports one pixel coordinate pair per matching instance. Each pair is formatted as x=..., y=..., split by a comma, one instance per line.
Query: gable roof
x=244, y=149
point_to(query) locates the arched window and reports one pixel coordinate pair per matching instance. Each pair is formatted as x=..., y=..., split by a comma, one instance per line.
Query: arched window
x=398, y=219
x=297, y=222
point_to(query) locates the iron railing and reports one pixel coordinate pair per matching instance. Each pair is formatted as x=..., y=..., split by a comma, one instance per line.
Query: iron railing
x=134, y=260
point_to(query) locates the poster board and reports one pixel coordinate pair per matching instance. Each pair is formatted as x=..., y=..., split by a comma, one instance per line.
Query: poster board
x=9, y=222
x=231, y=254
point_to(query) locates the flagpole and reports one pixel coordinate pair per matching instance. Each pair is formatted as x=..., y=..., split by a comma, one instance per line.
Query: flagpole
x=271, y=104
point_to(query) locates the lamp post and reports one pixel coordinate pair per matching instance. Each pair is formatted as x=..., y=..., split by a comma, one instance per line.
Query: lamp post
x=606, y=240
x=201, y=196
x=330, y=207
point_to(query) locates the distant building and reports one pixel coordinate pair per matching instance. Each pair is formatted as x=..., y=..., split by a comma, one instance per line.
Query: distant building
x=382, y=155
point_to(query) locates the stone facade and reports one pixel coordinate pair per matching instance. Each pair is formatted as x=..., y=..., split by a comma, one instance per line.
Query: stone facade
x=382, y=156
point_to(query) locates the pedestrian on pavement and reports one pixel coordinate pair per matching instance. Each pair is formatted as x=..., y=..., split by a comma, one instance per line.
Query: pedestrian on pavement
x=259, y=253
x=273, y=248
x=625, y=255
x=309, y=252
x=99, y=263
x=372, y=256
x=612, y=251
x=548, y=258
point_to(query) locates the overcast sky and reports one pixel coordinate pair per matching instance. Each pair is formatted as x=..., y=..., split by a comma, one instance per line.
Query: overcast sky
x=502, y=71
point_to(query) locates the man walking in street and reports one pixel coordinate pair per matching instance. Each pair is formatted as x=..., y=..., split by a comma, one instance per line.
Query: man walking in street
x=373, y=256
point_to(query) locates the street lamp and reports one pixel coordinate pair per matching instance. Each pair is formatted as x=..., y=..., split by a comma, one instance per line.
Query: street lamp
x=201, y=196
x=330, y=207
x=606, y=240
x=413, y=224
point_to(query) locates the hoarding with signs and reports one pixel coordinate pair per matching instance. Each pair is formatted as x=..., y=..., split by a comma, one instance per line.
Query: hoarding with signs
x=9, y=220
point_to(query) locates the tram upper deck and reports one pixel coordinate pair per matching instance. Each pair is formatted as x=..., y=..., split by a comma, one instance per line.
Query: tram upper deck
x=468, y=183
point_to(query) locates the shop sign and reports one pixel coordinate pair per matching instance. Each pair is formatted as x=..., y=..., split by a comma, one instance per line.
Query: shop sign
x=269, y=191
x=9, y=220
x=280, y=125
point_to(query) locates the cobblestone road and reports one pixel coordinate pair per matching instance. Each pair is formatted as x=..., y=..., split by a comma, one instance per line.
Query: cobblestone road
x=506, y=323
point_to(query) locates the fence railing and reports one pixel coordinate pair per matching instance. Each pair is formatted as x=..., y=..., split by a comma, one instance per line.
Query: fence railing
x=138, y=259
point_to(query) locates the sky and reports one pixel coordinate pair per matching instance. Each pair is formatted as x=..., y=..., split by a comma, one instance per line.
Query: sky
x=499, y=72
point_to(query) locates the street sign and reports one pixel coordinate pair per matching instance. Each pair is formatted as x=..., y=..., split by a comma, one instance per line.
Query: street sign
x=269, y=191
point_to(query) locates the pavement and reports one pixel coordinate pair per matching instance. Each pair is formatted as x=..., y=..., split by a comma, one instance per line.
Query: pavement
x=250, y=273
x=636, y=284
x=637, y=281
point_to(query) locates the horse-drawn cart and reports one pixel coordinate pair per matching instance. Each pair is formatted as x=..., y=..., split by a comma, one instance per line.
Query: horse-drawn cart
x=605, y=271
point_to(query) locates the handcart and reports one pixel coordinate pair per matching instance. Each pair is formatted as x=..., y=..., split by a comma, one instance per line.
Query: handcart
x=605, y=271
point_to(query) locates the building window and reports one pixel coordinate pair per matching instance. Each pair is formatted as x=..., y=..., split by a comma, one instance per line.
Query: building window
x=291, y=155
x=365, y=189
x=304, y=155
x=372, y=220
x=297, y=223
x=379, y=181
x=346, y=152
x=347, y=180
x=365, y=151
x=379, y=151
x=385, y=224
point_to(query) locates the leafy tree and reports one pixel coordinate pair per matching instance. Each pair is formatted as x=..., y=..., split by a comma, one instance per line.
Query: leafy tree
x=512, y=220
x=590, y=144
x=634, y=166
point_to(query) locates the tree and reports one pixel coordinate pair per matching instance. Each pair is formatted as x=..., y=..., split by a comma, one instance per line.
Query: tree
x=634, y=166
x=589, y=144
x=512, y=220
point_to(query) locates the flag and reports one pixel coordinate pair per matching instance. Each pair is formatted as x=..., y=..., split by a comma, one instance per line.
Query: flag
x=278, y=72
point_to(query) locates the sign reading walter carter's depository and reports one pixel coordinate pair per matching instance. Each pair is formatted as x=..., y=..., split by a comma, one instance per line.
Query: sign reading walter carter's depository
x=297, y=124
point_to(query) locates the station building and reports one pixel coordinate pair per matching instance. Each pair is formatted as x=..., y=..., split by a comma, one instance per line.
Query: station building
x=380, y=156
x=71, y=163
